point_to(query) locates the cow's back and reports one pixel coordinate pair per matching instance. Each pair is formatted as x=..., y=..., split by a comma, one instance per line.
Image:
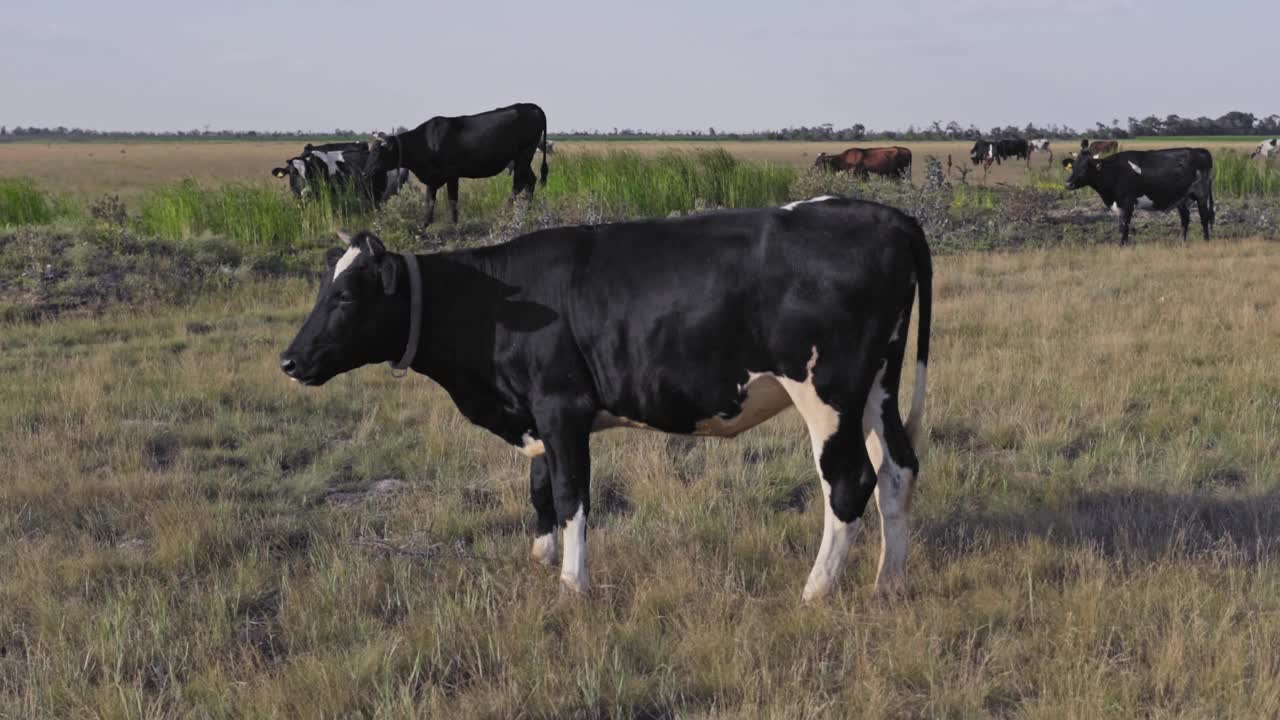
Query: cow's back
x=659, y=303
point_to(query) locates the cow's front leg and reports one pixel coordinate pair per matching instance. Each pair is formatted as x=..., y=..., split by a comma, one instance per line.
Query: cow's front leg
x=544, y=543
x=566, y=439
x=432, y=188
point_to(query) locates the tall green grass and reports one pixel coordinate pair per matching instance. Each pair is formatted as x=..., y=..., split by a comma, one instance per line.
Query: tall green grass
x=22, y=202
x=625, y=183
x=1235, y=174
x=255, y=215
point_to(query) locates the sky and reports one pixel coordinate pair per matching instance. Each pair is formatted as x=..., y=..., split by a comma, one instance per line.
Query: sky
x=648, y=64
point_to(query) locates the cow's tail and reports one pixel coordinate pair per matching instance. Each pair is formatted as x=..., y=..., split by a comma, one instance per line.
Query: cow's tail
x=543, y=180
x=924, y=286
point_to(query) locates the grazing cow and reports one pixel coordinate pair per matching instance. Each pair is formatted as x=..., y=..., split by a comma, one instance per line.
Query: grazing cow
x=1041, y=145
x=708, y=325
x=984, y=151
x=444, y=149
x=862, y=162
x=336, y=166
x=997, y=151
x=1149, y=180
x=1100, y=147
x=1266, y=149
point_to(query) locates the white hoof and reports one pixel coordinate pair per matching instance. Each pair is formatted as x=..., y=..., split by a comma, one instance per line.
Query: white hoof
x=575, y=584
x=816, y=590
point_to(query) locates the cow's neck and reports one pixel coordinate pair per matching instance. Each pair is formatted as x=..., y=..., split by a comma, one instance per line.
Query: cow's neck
x=462, y=304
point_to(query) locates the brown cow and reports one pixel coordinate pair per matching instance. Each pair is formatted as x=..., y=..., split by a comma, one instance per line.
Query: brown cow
x=861, y=162
x=1100, y=147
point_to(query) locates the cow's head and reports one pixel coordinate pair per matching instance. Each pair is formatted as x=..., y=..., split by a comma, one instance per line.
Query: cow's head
x=384, y=154
x=296, y=170
x=979, y=149
x=1082, y=168
x=358, y=318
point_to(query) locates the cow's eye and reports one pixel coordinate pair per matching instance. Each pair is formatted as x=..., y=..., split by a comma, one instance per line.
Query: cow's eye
x=345, y=296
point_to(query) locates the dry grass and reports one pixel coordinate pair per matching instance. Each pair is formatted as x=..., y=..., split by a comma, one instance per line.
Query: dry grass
x=88, y=170
x=1095, y=534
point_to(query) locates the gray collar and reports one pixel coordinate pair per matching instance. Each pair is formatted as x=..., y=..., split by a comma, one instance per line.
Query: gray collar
x=415, y=311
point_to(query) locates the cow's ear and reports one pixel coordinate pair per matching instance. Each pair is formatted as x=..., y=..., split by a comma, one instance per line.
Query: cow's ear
x=279, y=172
x=371, y=246
x=389, y=270
x=331, y=258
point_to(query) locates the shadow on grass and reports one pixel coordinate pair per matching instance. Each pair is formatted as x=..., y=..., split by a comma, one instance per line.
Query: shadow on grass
x=1131, y=525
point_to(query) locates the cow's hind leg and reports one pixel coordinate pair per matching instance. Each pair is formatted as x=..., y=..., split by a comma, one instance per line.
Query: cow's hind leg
x=895, y=462
x=1184, y=216
x=453, y=200
x=540, y=493
x=844, y=470
x=1204, y=206
x=431, y=202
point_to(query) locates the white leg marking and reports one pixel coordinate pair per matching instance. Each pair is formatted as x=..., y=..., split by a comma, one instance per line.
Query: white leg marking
x=823, y=421
x=544, y=549
x=573, y=569
x=345, y=261
x=893, y=483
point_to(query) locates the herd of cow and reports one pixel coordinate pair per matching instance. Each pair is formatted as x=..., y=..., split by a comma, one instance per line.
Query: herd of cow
x=1156, y=180
x=707, y=324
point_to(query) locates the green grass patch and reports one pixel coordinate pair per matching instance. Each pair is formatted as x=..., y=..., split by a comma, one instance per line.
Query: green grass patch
x=256, y=215
x=22, y=202
x=625, y=183
x=1236, y=174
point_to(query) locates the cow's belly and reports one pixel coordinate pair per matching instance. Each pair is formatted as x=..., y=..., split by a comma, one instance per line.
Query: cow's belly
x=764, y=398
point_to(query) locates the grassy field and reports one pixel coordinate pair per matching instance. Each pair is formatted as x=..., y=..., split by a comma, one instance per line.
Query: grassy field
x=187, y=534
x=87, y=170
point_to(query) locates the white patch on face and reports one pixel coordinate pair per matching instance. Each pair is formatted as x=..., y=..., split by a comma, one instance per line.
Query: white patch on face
x=573, y=569
x=532, y=447
x=345, y=261
x=544, y=549
x=299, y=166
x=1145, y=203
x=820, y=198
x=1135, y=167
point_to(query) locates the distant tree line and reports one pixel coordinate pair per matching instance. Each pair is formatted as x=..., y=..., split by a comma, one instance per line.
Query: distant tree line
x=1232, y=123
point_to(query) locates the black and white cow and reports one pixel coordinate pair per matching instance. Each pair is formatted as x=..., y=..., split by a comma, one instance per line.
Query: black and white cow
x=1040, y=145
x=702, y=325
x=1149, y=180
x=444, y=149
x=339, y=166
x=1266, y=149
x=988, y=151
